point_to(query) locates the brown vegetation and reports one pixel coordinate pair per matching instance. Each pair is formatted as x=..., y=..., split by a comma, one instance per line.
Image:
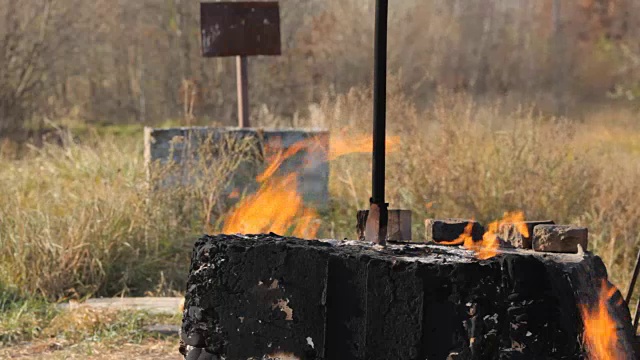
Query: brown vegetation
x=474, y=104
x=83, y=219
x=139, y=61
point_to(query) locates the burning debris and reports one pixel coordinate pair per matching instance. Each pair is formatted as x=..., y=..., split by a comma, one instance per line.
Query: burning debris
x=513, y=235
x=601, y=337
x=486, y=245
x=450, y=231
x=512, y=231
x=358, y=301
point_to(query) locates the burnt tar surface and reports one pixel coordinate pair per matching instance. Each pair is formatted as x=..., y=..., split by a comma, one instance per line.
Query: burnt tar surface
x=251, y=297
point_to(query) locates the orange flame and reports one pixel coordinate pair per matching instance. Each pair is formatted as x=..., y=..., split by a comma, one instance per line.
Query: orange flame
x=600, y=329
x=276, y=207
x=490, y=243
x=235, y=193
x=280, y=156
x=344, y=145
x=464, y=238
x=517, y=219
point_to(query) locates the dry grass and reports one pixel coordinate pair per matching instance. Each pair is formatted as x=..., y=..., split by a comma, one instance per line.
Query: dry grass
x=75, y=221
x=460, y=158
x=84, y=334
x=157, y=349
x=81, y=220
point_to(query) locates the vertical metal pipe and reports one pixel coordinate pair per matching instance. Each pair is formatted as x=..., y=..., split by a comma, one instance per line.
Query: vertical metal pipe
x=634, y=278
x=379, y=102
x=636, y=319
x=377, y=220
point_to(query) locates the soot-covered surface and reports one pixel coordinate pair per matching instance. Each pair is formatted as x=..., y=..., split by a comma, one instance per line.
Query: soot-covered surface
x=251, y=297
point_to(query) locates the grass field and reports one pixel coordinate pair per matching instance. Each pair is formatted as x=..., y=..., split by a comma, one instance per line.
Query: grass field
x=79, y=220
x=36, y=330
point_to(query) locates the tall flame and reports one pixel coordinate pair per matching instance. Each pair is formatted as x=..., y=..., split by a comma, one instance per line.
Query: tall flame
x=600, y=329
x=277, y=206
x=490, y=243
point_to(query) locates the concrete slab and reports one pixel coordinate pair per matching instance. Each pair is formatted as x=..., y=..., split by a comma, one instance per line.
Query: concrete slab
x=309, y=163
x=154, y=305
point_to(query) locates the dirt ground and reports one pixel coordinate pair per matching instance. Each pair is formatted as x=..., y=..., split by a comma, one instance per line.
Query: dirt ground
x=156, y=349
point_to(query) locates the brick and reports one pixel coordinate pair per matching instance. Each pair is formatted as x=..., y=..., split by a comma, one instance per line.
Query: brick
x=398, y=229
x=511, y=234
x=450, y=229
x=559, y=238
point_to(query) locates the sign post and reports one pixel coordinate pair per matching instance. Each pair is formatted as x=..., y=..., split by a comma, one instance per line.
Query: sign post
x=243, y=91
x=240, y=29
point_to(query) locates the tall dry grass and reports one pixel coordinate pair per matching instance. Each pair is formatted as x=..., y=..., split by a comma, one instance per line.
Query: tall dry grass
x=81, y=220
x=460, y=158
x=75, y=221
x=89, y=219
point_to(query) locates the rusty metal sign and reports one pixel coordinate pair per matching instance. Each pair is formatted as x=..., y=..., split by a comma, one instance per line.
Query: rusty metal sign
x=240, y=28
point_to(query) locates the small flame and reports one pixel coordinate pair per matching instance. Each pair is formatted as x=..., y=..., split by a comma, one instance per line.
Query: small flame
x=517, y=219
x=464, y=239
x=490, y=243
x=235, y=193
x=280, y=156
x=600, y=329
x=343, y=144
x=488, y=247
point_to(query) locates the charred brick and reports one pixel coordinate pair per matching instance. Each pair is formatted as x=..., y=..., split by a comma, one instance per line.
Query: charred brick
x=559, y=238
x=450, y=229
x=511, y=234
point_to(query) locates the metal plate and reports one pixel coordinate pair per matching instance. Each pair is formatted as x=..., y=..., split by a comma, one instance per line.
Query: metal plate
x=240, y=28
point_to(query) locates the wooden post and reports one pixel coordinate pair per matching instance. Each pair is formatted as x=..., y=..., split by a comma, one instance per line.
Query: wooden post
x=560, y=63
x=243, y=91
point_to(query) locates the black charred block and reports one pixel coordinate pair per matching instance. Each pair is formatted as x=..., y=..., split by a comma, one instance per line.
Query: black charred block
x=451, y=229
x=252, y=297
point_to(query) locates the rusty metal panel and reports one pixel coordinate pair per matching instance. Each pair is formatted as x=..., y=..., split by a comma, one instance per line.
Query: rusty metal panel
x=240, y=28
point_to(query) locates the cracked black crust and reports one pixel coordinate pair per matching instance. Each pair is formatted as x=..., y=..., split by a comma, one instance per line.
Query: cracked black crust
x=360, y=302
